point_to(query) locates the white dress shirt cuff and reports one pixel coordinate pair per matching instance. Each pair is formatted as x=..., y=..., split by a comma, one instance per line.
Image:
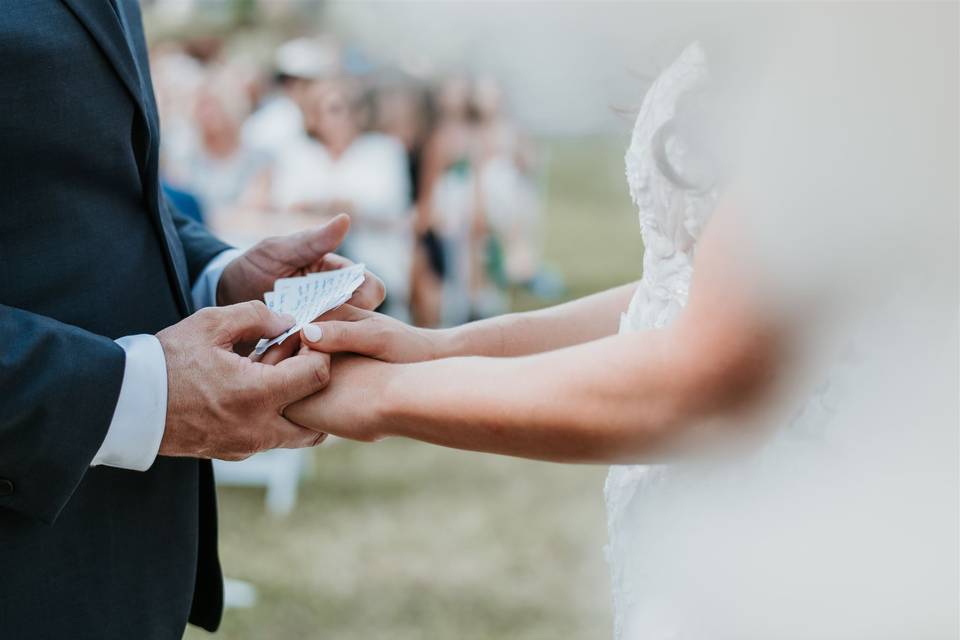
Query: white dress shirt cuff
x=134, y=435
x=204, y=290
x=133, y=438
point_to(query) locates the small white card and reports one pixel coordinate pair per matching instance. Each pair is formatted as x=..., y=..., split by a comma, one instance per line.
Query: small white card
x=308, y=297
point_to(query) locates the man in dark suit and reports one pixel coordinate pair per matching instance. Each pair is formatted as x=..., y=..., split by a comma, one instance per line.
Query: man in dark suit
x=111, y=387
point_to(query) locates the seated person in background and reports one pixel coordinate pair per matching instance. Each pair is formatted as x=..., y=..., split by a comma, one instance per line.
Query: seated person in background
x=449, y=205
x=341, y=168
x=278, y=120
x=217, y=167
x=405, y=111
x=508, y=190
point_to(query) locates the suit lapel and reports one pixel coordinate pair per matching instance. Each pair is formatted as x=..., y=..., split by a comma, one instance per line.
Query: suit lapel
x=100, y=19
x=136, y=43
x=103, y=22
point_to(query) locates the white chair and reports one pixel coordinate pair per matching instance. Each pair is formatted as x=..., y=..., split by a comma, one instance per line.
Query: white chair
x=279, y=471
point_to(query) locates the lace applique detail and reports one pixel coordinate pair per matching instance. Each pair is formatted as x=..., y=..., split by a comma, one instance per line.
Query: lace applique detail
x=671, y=219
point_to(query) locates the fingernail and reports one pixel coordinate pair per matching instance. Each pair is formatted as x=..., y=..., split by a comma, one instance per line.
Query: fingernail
x=289, y=319
x=312, y=332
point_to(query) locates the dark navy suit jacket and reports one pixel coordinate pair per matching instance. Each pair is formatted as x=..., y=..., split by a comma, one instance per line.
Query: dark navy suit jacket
x=89, y=251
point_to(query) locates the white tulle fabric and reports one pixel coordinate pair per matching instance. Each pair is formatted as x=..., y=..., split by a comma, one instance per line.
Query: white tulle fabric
x=671, y=219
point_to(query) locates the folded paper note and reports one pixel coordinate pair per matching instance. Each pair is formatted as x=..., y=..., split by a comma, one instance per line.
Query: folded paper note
x=308, y=297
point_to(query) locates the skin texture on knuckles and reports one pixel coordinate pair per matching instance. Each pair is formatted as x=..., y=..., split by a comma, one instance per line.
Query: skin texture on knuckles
x=222, y=405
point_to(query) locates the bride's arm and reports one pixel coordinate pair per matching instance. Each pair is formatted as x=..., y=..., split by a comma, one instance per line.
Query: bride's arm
x=624, y=397
x=519, y=334
x=589, y=318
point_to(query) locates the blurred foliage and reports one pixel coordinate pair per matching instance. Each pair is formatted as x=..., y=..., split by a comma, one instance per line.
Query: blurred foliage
x=243, y=12
x=237, y=22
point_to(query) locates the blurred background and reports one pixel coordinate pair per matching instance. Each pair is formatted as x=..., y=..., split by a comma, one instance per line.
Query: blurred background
x=479, y=151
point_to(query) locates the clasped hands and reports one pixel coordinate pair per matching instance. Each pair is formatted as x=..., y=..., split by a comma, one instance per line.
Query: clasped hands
x=220, y=403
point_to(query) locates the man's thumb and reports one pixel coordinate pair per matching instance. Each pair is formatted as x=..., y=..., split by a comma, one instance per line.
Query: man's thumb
x=251, y=321
x=313, y=244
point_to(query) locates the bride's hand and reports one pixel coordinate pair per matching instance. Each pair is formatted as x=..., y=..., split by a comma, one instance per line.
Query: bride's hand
x=352, y=405
x=352, y=330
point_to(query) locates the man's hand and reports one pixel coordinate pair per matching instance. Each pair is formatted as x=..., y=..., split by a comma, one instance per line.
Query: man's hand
x=253, y=273
x=356, y=405
x=222, y=405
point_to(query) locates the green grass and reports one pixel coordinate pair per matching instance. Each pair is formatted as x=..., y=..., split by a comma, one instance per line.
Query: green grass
x=404, y=541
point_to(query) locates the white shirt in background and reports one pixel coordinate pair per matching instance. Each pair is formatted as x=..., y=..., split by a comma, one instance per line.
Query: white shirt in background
x=274, y=126
x=372, y=175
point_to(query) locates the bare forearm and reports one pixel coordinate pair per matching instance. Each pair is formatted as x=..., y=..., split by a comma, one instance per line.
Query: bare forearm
x=518, y=334
x=633, y=397
x=548, y=406
x=607, y=398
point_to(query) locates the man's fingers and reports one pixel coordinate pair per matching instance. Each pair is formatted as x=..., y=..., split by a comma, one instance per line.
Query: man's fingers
x=343, y=337
x=334, y=261
x=300, y=376
x=250, y=321
x=310, y=247
x=370, y=294
x=289, y=435
x=280, y=352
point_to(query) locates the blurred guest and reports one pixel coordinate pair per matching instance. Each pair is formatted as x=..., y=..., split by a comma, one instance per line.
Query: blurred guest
x=177, y=76
x=183, y=201
x=449, y=202
x=510, y=200
x=279, y=119
x=218, y=168
x=341, y=168
x=406, y=112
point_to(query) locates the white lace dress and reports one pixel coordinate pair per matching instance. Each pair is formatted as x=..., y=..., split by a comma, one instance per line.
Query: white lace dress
x=660, y=517
x=671, y=219
x=842, y=524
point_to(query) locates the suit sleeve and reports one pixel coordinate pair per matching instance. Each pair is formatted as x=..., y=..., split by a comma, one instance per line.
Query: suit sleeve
x=58, y=388
x=199, y=245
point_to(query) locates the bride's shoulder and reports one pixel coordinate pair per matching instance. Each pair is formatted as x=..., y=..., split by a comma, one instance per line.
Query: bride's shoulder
x=684, y=75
